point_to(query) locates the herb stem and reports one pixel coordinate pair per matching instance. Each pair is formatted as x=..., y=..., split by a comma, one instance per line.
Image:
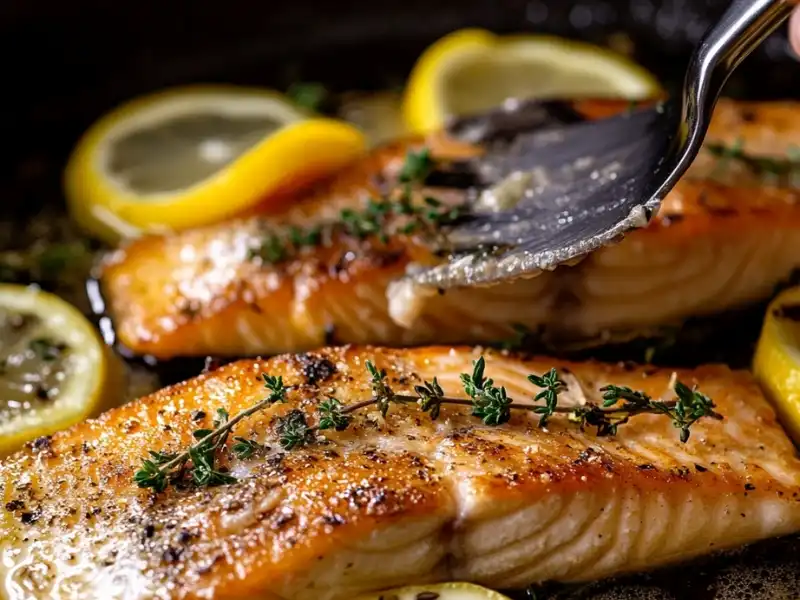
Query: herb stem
x=219, y=433
x=407, y=399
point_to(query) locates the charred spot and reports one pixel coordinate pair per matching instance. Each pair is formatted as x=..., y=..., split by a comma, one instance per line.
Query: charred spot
x=42, y=443
x=700, y=468
x=385, y=258
x=790, y=312
x=285, y=517
x=374, y=456
x=276, y=460
x=315, y=368
x=378, y=499
x=29, y=518
x=333, y=519
x=628, y=365
x=722, y=211
x=149, y=531
x=172, y=555
x=189, y=310
x=748, y=115
x=198, y=415
x=646, y=467
x=185, y=536
x=15, y=505
x=342, y=263
x=588, y=455
x=330, y=454
x=749, y=487
x=681, y=471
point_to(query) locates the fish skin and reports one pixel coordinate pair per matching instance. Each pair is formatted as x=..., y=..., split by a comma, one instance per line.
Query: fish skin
x=404, y=500
x=713, y=247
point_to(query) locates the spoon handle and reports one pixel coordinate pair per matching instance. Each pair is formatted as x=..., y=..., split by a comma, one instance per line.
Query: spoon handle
x=741, y=29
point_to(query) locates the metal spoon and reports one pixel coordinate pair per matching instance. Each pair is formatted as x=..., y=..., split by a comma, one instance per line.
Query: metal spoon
x=576, y=187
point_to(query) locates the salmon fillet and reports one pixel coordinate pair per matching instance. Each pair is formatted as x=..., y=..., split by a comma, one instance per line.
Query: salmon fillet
x=715, y=246
x=392, y=501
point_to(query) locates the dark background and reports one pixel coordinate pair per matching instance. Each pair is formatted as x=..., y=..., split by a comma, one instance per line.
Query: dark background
x=66, y=62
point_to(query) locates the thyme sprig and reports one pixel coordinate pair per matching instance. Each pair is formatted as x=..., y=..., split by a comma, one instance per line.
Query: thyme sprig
x=162, y=469
x=489, y=402
x=775, y=169
x=395, y=213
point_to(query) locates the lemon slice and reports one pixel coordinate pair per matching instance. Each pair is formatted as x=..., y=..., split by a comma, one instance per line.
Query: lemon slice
x=195, y=155
x=472, y=70
x=440, y=591
x=777, y=359
x=53, y=367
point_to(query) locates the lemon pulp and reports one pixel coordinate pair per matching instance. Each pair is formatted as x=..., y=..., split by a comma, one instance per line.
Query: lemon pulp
x=54, y=370
x=197, y=155
x=473, y=70
x=777, y=359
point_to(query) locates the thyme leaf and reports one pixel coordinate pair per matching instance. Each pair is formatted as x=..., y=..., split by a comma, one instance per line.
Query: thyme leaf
x=552, y=386
x=293, y=430
x=332, y=415
x=244, y=448
x=417, y=166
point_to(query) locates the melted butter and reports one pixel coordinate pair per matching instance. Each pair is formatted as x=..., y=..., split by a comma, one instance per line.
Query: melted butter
x=508, y=193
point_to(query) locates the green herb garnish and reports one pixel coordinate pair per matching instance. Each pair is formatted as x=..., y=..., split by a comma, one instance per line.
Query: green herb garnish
x=775, y=170
x=396, y=213
x=490, y=403
x=309, y=95
x=416, y=167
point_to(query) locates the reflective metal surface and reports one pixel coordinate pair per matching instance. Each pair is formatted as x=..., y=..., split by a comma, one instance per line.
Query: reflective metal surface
x=584, y=185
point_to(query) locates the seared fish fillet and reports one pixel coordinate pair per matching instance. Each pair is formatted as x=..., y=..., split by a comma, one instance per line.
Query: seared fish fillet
x=392, y=501
x=715, y=246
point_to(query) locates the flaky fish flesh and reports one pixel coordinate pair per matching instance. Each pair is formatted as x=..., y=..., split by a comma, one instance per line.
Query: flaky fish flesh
x=397, y=500
x=724, y=238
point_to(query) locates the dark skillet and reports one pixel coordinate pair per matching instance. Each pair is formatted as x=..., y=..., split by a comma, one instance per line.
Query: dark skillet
x=64, y=63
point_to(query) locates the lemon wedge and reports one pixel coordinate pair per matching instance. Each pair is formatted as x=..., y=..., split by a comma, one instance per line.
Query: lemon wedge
x=440, y=591
x=777, y=359
x=54, y=369
x=472, y=70
x=196, y=155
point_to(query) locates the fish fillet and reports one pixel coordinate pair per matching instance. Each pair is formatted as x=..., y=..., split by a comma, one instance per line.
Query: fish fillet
x=392, y=501
x=715, y=246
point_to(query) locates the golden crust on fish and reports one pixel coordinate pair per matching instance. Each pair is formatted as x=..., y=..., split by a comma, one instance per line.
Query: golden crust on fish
x=713, y=247
x=395, y=501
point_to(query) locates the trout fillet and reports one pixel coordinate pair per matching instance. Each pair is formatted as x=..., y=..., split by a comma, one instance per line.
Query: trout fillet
x=392, y=501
